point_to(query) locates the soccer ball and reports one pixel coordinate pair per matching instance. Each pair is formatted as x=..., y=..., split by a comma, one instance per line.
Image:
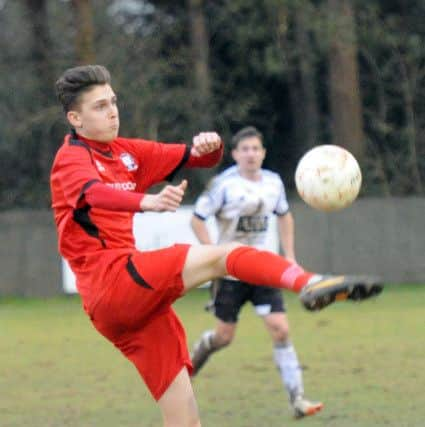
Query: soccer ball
x=328, y=178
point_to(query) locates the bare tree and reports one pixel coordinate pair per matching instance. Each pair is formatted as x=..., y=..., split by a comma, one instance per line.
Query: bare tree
x=408, y=86
x=41, y=48
x=345, y=100
x=200, y=57
x=38, y=121
x=309, y=118
x=297, y=53
x=84, y=41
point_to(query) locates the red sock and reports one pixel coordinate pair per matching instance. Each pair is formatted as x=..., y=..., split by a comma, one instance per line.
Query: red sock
x=263, y=268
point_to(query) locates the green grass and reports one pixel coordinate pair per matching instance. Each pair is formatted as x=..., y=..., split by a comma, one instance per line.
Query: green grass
x=365, y=361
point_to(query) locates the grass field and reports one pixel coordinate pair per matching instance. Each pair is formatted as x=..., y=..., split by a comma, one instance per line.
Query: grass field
x=365, y=361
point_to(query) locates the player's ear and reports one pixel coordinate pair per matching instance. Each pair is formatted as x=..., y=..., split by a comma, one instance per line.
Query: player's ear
x=234, y=154
x=74, y=118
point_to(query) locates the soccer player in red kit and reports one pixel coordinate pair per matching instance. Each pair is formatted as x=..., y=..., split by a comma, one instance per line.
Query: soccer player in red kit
x=98, y=181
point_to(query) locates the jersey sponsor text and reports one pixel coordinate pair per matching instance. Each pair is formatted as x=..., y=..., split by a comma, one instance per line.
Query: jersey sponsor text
x=125, y=186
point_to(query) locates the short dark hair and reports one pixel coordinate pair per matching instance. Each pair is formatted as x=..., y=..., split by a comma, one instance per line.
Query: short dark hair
x=75, y=81
x=244, y=133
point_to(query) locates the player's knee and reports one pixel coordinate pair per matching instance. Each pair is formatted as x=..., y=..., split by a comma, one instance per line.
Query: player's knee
x=227, y=248
x=282, y=333
x=279, y=332
x=223, y=339
x=220, y=263
x=193, y=418
x=195, y=423
x=187, y=414
x=231, y=246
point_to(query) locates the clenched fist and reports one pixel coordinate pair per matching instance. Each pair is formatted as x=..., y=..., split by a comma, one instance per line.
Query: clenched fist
x=205, y=142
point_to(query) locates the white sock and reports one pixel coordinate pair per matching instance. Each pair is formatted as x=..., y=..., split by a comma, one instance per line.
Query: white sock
x=286, y=360
x=207, y=338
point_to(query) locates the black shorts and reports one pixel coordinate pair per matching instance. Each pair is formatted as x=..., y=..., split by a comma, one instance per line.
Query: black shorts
x=231, y=295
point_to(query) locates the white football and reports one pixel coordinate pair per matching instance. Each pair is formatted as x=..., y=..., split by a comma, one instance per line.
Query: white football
x=328, y=178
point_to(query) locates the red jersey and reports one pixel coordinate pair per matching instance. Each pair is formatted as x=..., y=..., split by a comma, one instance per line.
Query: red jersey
x=87, y=234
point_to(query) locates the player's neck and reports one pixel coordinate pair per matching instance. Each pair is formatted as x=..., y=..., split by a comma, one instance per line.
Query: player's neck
x=102, y=146
x=250, y=175
x=92, y=138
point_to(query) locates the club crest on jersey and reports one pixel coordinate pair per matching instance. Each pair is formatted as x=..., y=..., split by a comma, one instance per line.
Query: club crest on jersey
x=99, y=166
x=129, y=161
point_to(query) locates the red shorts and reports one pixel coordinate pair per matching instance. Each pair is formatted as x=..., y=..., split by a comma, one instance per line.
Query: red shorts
x=134, y=312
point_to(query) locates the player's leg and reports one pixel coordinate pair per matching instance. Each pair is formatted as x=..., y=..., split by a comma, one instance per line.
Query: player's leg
x=284, y=354
x=287, y=362
x=229, y=297
x=268, y=303
x=137, y=318
x=207, y=262
x=178, y=404
x=211, y=341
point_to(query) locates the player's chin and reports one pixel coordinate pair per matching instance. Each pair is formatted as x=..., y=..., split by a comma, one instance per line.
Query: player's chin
x=112, y=134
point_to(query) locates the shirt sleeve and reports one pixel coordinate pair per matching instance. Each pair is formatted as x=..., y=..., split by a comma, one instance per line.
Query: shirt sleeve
x=210, y=201
x=102, y=196
x=74, y=173
x=282, y=206
x=207, y=160
x=157, y=161
x=160, y=161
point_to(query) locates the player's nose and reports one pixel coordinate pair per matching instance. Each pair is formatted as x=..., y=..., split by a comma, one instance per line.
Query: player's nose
x=113, y=111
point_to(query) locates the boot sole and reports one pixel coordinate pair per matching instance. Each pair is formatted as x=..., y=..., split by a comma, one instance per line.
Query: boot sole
x=340, y=288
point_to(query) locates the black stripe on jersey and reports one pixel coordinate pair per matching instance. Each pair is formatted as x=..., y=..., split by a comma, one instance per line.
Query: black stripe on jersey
x=79, y=143
x=87, y=185
x=281, y=214
x=199, y=216
x=81, y=217
x=104, y=153
x=135, y=274
x=180, y=165
x=75, y=141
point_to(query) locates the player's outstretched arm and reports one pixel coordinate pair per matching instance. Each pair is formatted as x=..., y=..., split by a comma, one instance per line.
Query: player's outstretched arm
x=168, y=199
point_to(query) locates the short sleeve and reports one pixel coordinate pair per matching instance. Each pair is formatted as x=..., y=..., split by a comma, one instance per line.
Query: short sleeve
x=73, y=172
x=282, y=206
x=210, y=201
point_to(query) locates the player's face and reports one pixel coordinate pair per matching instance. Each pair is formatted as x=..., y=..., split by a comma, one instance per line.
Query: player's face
x=96, y=116
x=249, y=154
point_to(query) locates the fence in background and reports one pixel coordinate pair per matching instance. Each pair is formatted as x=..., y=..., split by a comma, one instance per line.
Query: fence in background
x=374, y=236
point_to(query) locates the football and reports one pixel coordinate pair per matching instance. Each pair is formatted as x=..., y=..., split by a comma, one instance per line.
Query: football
x=328, y=178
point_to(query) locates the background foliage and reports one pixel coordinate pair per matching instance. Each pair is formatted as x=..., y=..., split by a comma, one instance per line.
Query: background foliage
x=305, y=72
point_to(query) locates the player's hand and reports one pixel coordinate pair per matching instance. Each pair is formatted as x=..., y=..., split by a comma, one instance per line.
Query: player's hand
x=167, y=200
x=204, y=143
